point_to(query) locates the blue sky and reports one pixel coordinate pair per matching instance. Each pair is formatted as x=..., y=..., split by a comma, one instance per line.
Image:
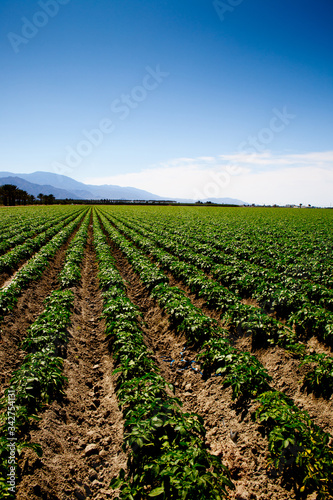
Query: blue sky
x=188, y=98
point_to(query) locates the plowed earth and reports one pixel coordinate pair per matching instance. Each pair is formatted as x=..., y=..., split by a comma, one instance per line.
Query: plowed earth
x=231, y=433
x=81, y=434
x=14, y=326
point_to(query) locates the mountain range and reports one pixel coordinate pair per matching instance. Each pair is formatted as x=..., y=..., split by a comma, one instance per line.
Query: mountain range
x=62, y=187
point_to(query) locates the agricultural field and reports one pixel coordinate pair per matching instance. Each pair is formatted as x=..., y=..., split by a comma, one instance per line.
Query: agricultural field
x=166, y=352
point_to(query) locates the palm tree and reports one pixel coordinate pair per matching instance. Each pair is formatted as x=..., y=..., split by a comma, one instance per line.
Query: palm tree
x=8, y=194
x=21, y=196
x=50, y=199
x=40, y=196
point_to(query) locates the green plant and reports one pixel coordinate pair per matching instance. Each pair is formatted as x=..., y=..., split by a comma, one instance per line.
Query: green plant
x=289, y=428
x=319, y=378
x=168, y=457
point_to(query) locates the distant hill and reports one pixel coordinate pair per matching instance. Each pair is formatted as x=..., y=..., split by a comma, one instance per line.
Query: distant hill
x=35, y=189
x=63, y=187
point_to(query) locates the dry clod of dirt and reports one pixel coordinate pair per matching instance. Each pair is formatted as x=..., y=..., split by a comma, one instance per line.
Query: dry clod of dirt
x=242, y=493
x=91, y=449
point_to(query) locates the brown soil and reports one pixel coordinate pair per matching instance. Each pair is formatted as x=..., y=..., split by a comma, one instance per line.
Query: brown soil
x=245, y=453
x=287, y=377
x=285, y=370
x=13, y=328
x=282, y=367
x=7, y=278
x=81, y=435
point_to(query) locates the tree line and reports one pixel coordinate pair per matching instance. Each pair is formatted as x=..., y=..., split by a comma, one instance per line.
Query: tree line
x=11, y=195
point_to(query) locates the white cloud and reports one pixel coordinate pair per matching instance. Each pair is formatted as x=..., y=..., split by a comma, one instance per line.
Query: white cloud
x=267, y=159
x=306, y=184
x=262, y=178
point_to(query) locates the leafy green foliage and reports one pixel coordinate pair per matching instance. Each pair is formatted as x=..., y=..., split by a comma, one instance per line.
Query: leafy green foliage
x=39, y=379
x=168, y=456
x=183, y=315
x=239, y=317
x=319, y=378
x=34, y=268
x=272, y=281
x=276, y=291
x=291, y=429
x=240, y=370
x=71, y=272
x=311, y=320
x=11, y=259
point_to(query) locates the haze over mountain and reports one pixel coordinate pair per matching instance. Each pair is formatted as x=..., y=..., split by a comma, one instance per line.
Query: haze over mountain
x=66, y=187
x=63, y=187
x=36, y=189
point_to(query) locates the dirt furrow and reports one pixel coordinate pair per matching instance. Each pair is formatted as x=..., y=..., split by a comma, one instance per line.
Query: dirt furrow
x=13, y=328
x=312, y=343
x=285, y=370
x=81, y=434
x=7, y=278
x=287, y=377
x=231, y=434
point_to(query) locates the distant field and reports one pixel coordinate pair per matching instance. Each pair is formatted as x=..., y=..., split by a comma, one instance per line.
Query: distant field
x=219, y=324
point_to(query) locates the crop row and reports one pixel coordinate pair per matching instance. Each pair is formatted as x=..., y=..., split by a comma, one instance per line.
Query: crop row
x=29, y=224
x=235, y=314
x=243, y=318
x=13, y=221
x=71, y=271
x=168, y=456
x=286, y=426
x=247, y=277
x=184, y=315
x=39, y=379
x=304, y=301
x=20, y=232
x=30, y=229
x=11, y=259
x=295, y=245
x=34, y=268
